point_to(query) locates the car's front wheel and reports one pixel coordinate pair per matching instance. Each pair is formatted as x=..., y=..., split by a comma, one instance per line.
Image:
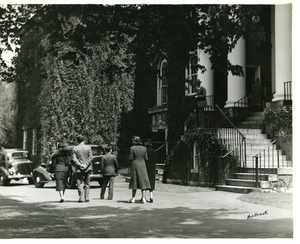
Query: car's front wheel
x=37, y=181
x=4, y=181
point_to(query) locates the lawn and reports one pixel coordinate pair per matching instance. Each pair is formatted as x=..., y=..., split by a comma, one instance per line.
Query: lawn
x=274, y=199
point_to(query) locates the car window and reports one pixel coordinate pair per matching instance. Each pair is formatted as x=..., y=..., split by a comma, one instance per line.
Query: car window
x=96, y=151
x=19, y=155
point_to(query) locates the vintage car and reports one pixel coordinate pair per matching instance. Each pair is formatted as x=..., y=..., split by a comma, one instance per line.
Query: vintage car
x=15, y=165
x=45, y=173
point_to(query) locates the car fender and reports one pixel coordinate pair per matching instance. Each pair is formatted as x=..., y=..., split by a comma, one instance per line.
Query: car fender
x=5, y=171
x=43, y=174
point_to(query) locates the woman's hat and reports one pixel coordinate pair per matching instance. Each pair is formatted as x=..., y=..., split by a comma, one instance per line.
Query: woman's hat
x=136, y=140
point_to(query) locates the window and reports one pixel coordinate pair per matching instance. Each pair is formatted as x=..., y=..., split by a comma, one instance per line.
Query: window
x=196, y=156
x=33, y=141
x=162, y=83
x=24, y=139
x=191, y=75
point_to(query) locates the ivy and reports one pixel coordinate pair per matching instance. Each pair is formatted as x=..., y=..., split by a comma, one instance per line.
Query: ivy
x=213, y=169
x=279, y=121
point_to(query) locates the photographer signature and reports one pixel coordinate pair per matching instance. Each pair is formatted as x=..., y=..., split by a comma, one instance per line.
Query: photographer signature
x=250, y=216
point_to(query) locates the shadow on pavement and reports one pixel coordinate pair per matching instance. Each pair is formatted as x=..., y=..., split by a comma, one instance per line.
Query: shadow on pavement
x=22, y=220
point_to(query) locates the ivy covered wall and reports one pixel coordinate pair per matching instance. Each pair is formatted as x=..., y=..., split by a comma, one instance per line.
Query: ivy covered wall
x=69, y=84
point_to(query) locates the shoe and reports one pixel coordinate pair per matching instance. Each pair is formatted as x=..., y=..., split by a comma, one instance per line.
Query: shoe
x=87, y=200
x=131, y=200
x=61, y=200
x=80, y=201
x=151, y=200
x=143, y=200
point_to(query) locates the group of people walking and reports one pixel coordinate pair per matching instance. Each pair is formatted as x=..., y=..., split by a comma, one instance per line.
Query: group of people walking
x=142, y=173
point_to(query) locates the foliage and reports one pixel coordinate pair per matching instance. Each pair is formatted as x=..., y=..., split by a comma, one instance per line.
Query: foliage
x=212, y=168
x=279, y=121
x=281, y=185
x=12, y=19
x=8, y=110
x=79, y=89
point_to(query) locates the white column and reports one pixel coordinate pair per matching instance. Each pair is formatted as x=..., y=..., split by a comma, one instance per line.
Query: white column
x=282, y=45
x=237, y=84
x=207, y=77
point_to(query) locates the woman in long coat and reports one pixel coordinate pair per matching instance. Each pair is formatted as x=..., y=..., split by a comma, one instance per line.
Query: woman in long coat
x=60, y=164
x=151, y=166
x=138, y=173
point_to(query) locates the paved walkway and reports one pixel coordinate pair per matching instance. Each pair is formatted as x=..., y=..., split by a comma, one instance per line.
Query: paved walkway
x=177, y=212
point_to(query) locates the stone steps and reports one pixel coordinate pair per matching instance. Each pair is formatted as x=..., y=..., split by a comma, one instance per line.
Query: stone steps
x=257, y=143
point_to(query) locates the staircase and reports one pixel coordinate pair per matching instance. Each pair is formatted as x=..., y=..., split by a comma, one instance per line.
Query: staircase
x=256, y=143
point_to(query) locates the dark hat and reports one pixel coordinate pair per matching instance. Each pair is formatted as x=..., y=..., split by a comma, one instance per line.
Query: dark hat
x=80, y=138
x=108, y=148
x=136, y=140
x=148, y=142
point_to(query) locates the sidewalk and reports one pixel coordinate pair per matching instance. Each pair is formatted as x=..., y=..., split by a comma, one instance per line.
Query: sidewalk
x=177, y=212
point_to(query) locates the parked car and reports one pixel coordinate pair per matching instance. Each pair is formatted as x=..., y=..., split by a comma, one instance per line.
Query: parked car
x=45, y=173
x=15, y=165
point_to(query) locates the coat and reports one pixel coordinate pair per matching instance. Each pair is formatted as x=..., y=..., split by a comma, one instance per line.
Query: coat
x=138, y=172
x=60, y=161
x=109, y=164
x=82, y=155
x=151, y=166
x=201, y=96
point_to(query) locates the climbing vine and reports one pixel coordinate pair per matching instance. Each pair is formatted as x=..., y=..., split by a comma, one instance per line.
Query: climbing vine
x=212, y=168
x=78, y=89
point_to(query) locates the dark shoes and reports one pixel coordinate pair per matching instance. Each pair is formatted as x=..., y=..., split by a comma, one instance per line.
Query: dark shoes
x=61, y=200
x=151, y=200
x=87, y=200
x=80, y=200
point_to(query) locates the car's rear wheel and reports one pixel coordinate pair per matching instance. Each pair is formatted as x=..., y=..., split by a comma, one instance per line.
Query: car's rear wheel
x=71, y=183
x=37, y=181
x=4, y=181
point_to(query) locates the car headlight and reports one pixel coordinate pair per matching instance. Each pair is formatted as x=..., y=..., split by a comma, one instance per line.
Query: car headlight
x=12, y=170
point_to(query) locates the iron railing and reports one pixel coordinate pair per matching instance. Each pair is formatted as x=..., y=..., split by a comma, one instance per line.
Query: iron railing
x=242, y=110
x=231, y=137
x=269, y=159
x=161, y=152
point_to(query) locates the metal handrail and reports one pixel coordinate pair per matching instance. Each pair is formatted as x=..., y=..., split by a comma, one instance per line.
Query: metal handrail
x=239, y=140
x=230, y=121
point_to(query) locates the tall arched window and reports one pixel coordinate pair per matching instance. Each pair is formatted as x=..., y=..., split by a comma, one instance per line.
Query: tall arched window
x=191, y=75
x=162, y=83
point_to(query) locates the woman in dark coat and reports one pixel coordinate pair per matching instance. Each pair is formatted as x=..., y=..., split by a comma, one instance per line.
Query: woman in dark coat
x=138, y=173
x=60, y=164
x=151, y=166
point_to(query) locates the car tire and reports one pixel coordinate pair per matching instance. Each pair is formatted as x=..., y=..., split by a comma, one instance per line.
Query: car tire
x=30, y=181
x=71, y=183
x=4, y=181
x=36, y=181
